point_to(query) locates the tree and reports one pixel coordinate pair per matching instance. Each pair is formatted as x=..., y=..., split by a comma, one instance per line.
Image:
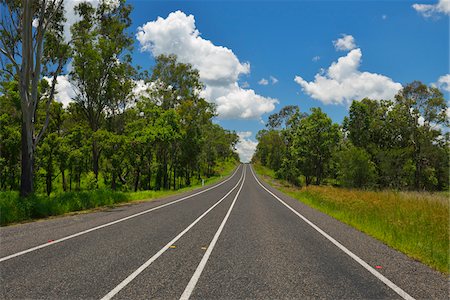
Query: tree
x=425, y=109
x=177, y=86
x=10, y=120
x=314, y=141
x=100, y=69
x=355, y=167
x=284, y=118
x=31, y=42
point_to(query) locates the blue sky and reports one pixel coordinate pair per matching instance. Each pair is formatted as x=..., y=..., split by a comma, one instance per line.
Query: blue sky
x=383, y=45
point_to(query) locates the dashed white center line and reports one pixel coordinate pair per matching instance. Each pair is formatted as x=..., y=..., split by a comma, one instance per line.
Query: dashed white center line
x=133, y=275
x=198, y=272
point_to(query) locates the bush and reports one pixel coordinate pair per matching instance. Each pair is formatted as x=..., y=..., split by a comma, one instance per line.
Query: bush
x=91, y=181
x=356, y=168
x=15, y=209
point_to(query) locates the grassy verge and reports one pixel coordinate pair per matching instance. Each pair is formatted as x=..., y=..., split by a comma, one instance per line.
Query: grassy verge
x=415, y=223
x=14, y=209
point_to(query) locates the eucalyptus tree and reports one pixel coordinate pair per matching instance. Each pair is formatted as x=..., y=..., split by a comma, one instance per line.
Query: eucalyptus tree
x=425, y=110
x=314, y=141
x=101, y=64
x=177, y=86
x=32, y=45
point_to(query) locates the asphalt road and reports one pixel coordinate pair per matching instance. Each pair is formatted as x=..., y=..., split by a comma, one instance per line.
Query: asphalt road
x=239, y=239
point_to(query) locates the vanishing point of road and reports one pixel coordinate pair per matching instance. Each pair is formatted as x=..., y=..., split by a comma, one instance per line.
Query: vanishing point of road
x=237, y=239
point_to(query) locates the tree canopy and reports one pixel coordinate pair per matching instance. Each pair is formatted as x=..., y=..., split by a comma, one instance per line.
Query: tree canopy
x=402, y=143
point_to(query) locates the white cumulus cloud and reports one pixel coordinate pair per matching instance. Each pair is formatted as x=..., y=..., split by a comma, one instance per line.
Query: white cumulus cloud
x=316, y=58
x=430, y=10
x=443, y=83
x=64, y=89
x=218, y=66
x=72, y=17
x=342, y=82
x=245, y=147
x=345, y=43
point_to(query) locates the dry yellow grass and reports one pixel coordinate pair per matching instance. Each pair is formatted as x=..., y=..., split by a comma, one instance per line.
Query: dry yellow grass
x=415, y=223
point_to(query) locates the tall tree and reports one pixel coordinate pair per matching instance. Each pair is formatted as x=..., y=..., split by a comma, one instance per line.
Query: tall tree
x=32, y=43
x=425, y=109
x=177, y=86
x=314, y=141
x=100, y=68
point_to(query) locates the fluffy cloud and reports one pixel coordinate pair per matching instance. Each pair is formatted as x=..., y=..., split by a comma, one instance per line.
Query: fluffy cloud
x=263, y=81
x=70, y=15
x=72, y=18
x=342, y=82
x=429, y=10
x=245, y=147
x=345, y=43
x=218, y=66
x=64, y=89
x=316, y=58
x=245, y=85
x=243, y=104
x=443, y=83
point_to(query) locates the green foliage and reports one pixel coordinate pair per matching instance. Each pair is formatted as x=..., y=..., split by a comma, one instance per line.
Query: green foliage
x=355, y=167
x=15, y=209
x=314, y=141
x=401, y=143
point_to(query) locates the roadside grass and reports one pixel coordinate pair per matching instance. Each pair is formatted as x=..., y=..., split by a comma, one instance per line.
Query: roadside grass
x=14, y=209
x=415, y=223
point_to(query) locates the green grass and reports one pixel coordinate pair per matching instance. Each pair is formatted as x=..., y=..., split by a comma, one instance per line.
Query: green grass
x=14, y=209
x=415, y=223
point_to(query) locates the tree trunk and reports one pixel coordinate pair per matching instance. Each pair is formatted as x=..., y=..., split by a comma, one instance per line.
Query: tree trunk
x=308, y=180
x=49, y=175
x=174, y=178
x=113, y=181
x=79, y=181
x=165, y=175
x=64, y=183
x=95, y=159
x=136, y=181
x=418, y=171
x=188, y=178
x=26, y=176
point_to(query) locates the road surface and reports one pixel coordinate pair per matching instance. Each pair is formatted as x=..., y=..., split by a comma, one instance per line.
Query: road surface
x=238, y=239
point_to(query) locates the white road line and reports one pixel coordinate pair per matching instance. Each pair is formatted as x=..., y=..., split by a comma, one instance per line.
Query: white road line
x=113, y=222
x=198, y=272
x=377, y=274
x=133, y=275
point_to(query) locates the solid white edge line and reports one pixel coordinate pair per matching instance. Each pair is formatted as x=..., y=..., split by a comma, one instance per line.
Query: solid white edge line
x=133, y=275
x=113, y=222
x=198, y=272
x=377, y=274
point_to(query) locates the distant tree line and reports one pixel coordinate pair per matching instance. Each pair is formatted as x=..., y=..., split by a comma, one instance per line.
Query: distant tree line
x=401, y=143
x=160, y=138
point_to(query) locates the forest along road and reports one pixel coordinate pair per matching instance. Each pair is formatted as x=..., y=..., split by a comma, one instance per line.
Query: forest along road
x=237, y=239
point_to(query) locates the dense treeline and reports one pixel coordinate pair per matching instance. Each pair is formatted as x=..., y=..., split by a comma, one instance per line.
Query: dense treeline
x=401, y=143
x=110, y=135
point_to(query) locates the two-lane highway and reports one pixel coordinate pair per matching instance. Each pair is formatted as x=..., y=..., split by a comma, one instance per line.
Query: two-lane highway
x=237, y=239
